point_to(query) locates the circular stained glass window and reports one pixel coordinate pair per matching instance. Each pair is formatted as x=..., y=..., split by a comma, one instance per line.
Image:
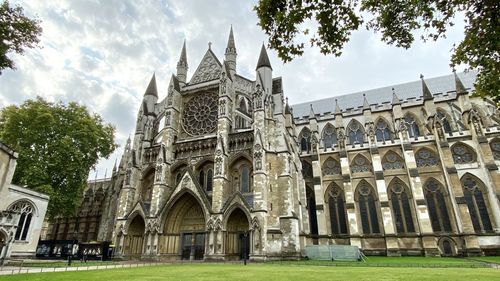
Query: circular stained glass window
x=200, y=114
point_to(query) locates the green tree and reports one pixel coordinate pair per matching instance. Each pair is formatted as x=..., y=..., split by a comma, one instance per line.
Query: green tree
x=17, y=32
x=58, y=144
x=286, y=22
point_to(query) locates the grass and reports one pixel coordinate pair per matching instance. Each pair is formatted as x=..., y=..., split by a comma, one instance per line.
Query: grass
x=268, y=272
x=491, y=259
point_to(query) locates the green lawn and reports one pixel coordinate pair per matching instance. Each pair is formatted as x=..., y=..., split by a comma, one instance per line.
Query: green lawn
x=266, y=272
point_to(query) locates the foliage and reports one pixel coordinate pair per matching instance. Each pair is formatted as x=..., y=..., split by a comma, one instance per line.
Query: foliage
x=16, y=33
x=287, y=21
x=259, y=271
x=58, y=144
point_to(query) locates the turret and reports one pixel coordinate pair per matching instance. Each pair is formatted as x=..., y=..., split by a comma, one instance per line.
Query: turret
x=150, y=96
x=265, y=71
x=182, y=65
x=429, y=105
x=230, y=55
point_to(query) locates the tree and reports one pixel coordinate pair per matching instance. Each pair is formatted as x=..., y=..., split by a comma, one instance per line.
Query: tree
x=16, y=33
x=58, y=144
x=286, y=21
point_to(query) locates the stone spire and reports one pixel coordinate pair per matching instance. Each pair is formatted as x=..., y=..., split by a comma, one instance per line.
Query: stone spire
x=366, y=105
x=263, y=58
x=337, y=107
x=395, y=99
x=312, y=115
x=182, y=65
x=152, y=90
x=425, y=90
x=459, y=86
x=230, y=55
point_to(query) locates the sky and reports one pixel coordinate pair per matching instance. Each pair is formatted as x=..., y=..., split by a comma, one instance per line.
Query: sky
x=102, y=54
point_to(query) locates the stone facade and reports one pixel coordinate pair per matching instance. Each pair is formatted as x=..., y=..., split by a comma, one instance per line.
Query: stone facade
x=22, y=212
x=224, y=166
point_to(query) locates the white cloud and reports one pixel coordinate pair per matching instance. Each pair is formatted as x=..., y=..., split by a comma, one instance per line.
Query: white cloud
x=103, y=53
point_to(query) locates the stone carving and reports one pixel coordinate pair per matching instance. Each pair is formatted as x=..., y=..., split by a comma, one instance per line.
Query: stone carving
x=218, y=165
x=341, y=137
x=222, y=83
x=257, y=157
x=257, y=97
x=128, y=174
x=159, y=170
x=167, y=118
x=371, y=133
x=208, y=70
x=170, y=95
x=222, y=107
x=404, y=130
x=476, y=122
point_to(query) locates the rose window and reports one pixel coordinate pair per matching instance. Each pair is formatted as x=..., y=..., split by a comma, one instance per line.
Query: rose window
x=200, y=115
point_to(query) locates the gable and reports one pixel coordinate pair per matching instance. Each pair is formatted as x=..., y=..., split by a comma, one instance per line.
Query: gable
x=209, y=69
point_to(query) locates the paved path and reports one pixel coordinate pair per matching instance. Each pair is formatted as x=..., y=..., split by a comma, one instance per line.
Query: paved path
x=9, y=270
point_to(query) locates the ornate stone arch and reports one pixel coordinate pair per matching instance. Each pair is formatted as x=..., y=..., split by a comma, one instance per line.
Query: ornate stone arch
x=463, y=154
x=167, y=208
x=131, y=217
x=392, y=161
x=337, y=212
x=355, y=132
x=366, y=198
x=361, y=164
x=426, y=157
x=400, y=196
x=476, y=197
x=305, y=137
x=232, y=208
x=445, y=119
x=331, y=167
x=329, y=135
x=413, y=126
x=383, y=130
x=447, y=246
x=438, y=204
x=495, y=148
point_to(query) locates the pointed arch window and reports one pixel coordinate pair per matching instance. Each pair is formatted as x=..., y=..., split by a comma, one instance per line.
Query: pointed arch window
x=412, y=126
x=245, y=179
x=426, y=158
x=437, y=205
x=331, y=167
x=210, y=178
x=476, y=202
x=305, y=140
x=392, y=161
x=311, y=207
x=307, y=171
x=361, y=164
x=336, y=206
x=243, y=106
x=329, y=136
x=205, y=176
x=26, y=211
x=444, y=121
x=401, y=209
x=367, y=209
x=355, y=132
x=463, y=154
x=495, y=148
x=383, y=132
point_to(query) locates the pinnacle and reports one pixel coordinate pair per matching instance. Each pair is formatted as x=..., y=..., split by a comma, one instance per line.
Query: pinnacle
x=231, y=46
x=263, y=58
x=425, y=90
x=183, y=57
x=459, y=86
x=151, y=90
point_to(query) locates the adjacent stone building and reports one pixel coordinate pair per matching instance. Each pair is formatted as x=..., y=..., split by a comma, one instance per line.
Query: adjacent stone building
x=22, y=212
x=223, y=166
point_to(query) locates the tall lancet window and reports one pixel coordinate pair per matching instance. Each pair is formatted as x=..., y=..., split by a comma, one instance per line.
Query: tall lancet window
x=26, y=210
x=411, y=126
x=367, y=208
x=383, y=132
x=437, y=205
x=401, y=209
x=305, y=140
x=476, y=201
x=336, y=206
x=444, y=121
x=495, y=148
x=355, y=132
x=329, y=136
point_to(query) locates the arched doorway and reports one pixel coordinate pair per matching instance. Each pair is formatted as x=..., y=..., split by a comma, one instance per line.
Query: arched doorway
x=184, y=231
x=237, y=235
x=135, y=237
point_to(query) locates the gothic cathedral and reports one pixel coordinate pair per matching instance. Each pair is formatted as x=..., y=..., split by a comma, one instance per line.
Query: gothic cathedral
x=223, y=167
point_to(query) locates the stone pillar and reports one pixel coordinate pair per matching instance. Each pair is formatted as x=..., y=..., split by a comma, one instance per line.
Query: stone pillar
x=351, y=208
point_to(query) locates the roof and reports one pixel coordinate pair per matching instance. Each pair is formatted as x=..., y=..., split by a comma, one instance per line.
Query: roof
x=411, y=90
x=263, y=58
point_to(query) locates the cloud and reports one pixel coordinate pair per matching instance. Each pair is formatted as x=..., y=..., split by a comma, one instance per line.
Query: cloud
x=103, y=53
